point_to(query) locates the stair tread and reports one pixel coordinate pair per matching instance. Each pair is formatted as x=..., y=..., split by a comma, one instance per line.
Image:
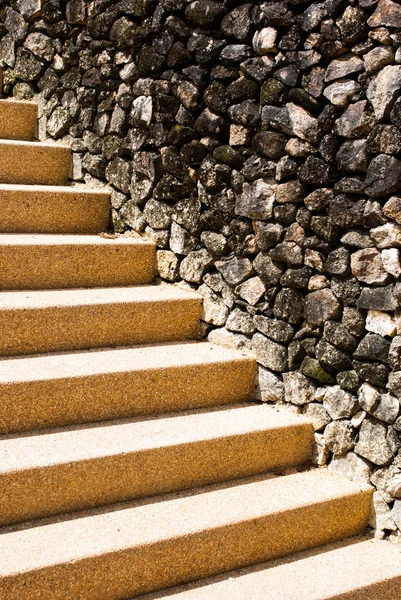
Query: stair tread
x=64, y=239
x=334, y=571
x=177, y=516
x=73, y=189
x=22, y=300
x=91, y=442
x=114, y=360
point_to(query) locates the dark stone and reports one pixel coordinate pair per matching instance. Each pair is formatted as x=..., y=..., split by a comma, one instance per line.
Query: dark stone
x=296, y=278
x=289, y=253
x=382, y=298
x=314, y=171
x=321, y=306
x=383, y=176
x=242, y=89
x=256, y=167
x=348, y=380
x=269, y=144
x=331, y=357
x=215, y=97
x=347, y=290
x=373, y=347
x=279, y=331
x=289, y=306
x=312, y=368
x=338, y=335
x=384, y=139
x=373, y=372
x=268, y=235
x=204, y=13
x=272, y=92
x=338, y=262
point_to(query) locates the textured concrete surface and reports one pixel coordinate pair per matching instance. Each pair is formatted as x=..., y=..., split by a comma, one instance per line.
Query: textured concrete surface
x=76, y=469
x=164, y=542
x=43, y=321
x=61, y=389
x=34, y=163
x=53, y=209
x=18, y=120
x=38, y=262
x=357, y=569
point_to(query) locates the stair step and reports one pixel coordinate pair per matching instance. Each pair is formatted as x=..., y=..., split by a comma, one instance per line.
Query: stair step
x=358, y=569
x=76, y=469
x=53, y=209
x=38, y=262
x=34, y=163
x=62, y=389
x=154, y=544
x=18, y=120
x=45, y=321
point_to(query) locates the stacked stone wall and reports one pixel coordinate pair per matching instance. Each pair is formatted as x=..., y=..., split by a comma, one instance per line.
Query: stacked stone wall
x=258, y=144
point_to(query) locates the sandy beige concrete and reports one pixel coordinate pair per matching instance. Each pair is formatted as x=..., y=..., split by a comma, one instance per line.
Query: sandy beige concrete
x=34, y=163
x=18, y=120
x=38, y=262
x=97, y=385
x=34, y=322
x=53, y=209
x=164, y=542
x=356, y=569
x=76, y=469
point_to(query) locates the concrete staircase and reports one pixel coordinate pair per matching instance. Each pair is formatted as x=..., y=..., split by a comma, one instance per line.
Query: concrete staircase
x=131, y=460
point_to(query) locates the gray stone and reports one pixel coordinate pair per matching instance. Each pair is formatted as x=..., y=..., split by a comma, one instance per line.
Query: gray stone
x=339, y=437
x=251, y=290
x=378, y=58
x=394, y=355
x=331, y=357
x=339, y=404
x=373, y=443
x=353, y=156
x=235, y=270
x=30, y=8
x=338, y=335
x=356, y=121
x=214, y=309
x=59, y=122
x=215, y=242
x=142, y=111
x=269, y=387
x=240, y=322
x=269, y=353
x=194, y=264
x=256, y=200
x=158, y=214
x=373, y=347
x=289, y=306
x=40, y=45
x=298, y=389
x=131, y=215
x=289, y=253
x=293, y=120
x=181, y=241
x=318, y=415
x=378, y=298
x=119, y=173
x=277, y=330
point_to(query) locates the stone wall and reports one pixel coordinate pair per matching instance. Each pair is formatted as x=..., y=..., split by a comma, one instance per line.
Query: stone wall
x=257, y=144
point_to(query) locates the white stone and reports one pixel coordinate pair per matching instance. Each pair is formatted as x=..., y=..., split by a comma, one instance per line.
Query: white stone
x=386, y=236
x=251, y=290
x=352, y=467
x=380, y=516
x=269, y=387
x=383, y=90
x=320, y=452
x=391, y=261
x=225, y=338
x=264, y=40
x=381, y=323
x=239, y=135
x=357, y=419
x=341, y=92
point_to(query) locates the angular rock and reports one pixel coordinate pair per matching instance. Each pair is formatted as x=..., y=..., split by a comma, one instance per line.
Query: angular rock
x=251, y=290
x=381, y=323
x=341, y=93
x=293, y=120
x=318, y=415
x=351, y=466
x=378, y=299
x=298, y=389
x=270, y=387
x=167, y=265
x=373, y=443
x=339, y=404
x=240, y=322
x=384, y=89
x=387, y=14
x=194, y=264
x=356, y=121
x=339, y=437
x=235, y=270
x=321, y=306
x=256, y=200
x=367, y=266
x=373, y=347
x=343, y=66
x=387, y=236
x=289, y=306
x=277, y=330
x=269, y=353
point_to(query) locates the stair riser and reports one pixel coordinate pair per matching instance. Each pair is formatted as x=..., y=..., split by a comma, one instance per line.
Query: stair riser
x=56, y=402
x=39, y=267
x=18, y=120
x=64, y=488
x=53, y=212
x=159, y=565
x=34, y=164
x=33, y=331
